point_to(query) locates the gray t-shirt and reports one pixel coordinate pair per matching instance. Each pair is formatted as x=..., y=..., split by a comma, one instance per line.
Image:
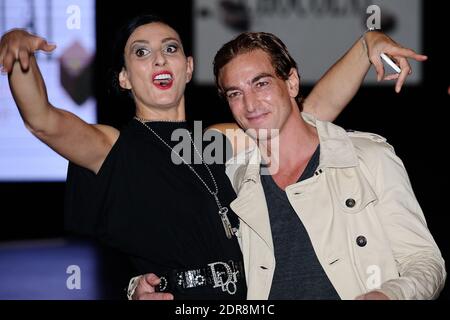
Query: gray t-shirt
x=298, y=273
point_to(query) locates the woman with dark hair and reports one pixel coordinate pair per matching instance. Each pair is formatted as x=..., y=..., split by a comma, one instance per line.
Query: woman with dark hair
x=124, y=187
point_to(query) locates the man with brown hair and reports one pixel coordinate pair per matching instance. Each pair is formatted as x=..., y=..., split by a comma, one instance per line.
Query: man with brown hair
x=336, y=216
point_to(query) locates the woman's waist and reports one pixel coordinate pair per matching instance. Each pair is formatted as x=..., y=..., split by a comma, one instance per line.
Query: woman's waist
x=221, y=279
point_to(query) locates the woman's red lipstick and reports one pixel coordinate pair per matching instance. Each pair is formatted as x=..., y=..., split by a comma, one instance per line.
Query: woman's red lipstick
x=163, y=80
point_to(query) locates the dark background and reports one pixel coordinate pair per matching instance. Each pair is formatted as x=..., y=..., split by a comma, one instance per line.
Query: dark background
x=415, y=122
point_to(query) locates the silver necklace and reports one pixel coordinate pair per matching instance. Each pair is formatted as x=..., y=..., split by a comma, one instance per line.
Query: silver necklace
x=223, y=211
x=170, y=121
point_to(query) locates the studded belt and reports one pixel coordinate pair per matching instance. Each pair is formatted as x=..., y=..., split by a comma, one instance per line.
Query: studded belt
x=223, y=275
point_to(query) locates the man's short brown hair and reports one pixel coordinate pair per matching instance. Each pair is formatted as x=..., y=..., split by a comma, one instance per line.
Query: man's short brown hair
x=246, y=42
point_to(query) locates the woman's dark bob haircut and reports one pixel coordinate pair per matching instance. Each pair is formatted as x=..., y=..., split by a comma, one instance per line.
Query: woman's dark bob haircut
x=118, y=59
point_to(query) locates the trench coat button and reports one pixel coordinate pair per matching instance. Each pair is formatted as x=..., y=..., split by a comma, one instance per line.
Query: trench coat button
x=350, y=203
x=361, y=241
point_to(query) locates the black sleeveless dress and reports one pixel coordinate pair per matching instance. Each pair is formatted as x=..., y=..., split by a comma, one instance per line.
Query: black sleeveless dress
x=159, y=214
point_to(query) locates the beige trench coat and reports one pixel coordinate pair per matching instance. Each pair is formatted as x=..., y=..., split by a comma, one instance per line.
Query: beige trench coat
x=366, y=226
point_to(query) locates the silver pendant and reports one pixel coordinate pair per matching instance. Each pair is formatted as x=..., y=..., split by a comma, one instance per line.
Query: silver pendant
x=226, y=222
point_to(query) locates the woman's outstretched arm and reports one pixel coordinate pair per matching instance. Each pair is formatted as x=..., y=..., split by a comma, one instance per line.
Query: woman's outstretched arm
x=340, y=83
x=82, y=143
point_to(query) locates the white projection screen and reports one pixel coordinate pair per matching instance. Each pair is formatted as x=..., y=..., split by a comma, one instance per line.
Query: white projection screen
x=70, y=24
x=317, y=32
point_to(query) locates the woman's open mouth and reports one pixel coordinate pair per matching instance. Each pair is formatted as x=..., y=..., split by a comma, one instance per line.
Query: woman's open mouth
x=163, y=80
